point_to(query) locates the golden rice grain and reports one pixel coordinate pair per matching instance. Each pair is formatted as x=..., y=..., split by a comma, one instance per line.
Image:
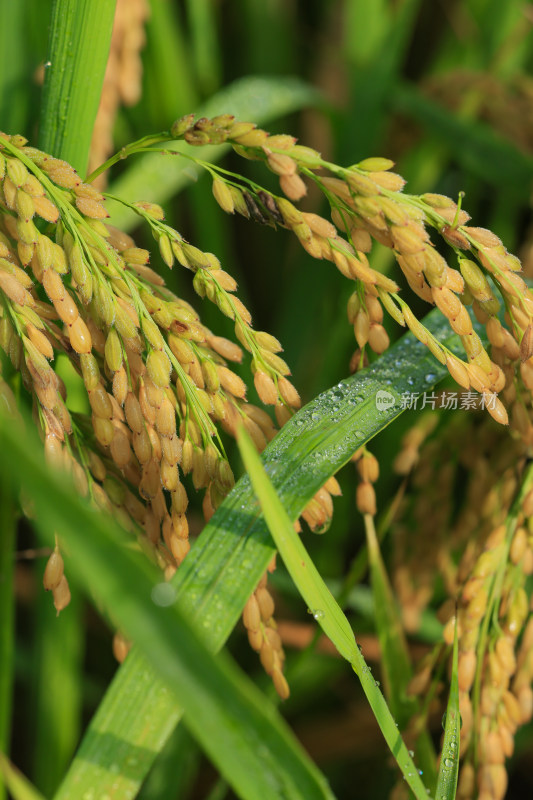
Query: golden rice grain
x=466, y=670
x=366, y=498
x=378, y=338
x=231, y=382
x=265, y=603
x=91, y=208
x=283, y=414
x=159, y=368
x=280, y=163
x=293, y=186
x=288, y=392
x=53, y=571
x=251, y=614
x=61, y=595
x=265, y=388
x=121, y=647
x=526, y=344
x=280, y=683
x=368, y=468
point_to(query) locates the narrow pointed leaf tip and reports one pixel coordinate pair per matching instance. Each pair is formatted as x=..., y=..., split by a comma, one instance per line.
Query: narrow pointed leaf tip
x=324, y=607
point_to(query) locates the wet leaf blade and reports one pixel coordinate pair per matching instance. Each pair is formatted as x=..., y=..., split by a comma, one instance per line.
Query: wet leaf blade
x=229, y=557
x=305, y=575
x=236, y=725
x=449, y=760
x=324, y=607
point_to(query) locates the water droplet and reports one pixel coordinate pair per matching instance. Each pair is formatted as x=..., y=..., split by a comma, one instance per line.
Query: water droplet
x=410, y=381
x=315, y=416
x=430, y=377
x=420, y=772
x=411, y=753
x=359, y=434
x=378, y=684
x=299, y=422
x=163, y=594
x=448, y=762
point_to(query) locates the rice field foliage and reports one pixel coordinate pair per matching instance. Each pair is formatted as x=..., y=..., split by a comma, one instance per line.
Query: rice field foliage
x=266, y=378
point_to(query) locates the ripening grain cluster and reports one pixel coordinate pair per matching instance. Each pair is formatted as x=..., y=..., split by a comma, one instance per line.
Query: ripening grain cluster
x=163, y=393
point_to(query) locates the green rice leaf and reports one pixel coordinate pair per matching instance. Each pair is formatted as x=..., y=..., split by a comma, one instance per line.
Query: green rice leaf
x=321, y=602
x=236, y=725
x=165, y=56
x=80, y=34
x=228, y=558
x=449, y=759
x=232, y=552
x=19, y=786
x=324, y=607
x=14, y=67
x=205, y=48
x=395, y=662
x=57, y=688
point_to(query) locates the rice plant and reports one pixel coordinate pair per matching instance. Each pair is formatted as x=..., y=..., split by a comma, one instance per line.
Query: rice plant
x=164, y=320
